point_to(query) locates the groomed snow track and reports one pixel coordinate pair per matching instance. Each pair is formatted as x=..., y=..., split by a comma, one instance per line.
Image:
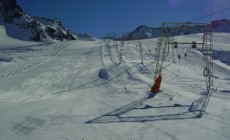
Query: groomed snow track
x=63, y=97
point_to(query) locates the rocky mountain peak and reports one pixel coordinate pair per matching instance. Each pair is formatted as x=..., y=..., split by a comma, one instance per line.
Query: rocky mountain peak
x=10, y=9
x=23, y=26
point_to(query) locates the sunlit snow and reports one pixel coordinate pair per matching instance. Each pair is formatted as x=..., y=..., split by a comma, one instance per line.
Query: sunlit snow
x=78, y=90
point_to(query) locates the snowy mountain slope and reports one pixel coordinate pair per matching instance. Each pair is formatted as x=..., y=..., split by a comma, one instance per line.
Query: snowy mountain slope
x=145, y=32
x=22, y=26
x=142, y=32
x=7, y=41
x=54, y=92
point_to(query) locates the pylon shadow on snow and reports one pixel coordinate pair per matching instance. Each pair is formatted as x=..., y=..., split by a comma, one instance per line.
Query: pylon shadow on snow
x=195, y=110
x=201, y=104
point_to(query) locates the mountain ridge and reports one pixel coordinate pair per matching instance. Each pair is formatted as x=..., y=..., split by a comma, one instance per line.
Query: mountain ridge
x=22, y=26
x=145, y=32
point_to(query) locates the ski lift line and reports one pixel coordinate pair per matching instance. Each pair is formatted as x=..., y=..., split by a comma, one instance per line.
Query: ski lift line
x=166, y=39
x=102, y=61
x=209, y=14
x=177, y=24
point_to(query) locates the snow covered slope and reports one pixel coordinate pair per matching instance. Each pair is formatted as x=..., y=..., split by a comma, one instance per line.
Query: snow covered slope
x=20, y=25
x=77, y=90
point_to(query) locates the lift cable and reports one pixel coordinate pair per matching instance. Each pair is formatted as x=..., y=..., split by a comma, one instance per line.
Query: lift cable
x=209, y=14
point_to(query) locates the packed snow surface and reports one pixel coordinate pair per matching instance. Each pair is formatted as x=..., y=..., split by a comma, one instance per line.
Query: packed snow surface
x=77, y=90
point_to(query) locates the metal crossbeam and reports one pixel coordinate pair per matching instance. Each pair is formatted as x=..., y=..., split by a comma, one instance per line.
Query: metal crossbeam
x=185, y=43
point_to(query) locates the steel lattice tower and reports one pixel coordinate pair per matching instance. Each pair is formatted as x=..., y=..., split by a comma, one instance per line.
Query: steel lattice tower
x=166, y=39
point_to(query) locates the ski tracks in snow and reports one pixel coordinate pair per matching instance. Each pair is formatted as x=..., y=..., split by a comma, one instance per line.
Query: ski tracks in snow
x=30, y=58
x=130, y=72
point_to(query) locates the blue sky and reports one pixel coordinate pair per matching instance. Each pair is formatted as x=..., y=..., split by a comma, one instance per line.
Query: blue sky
x=99, y=17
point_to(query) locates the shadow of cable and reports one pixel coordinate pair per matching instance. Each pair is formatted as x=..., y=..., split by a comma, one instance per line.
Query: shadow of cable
x=201, y=104
x=185, y=112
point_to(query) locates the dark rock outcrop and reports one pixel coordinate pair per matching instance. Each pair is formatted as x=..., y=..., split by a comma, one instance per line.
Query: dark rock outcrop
x=31, y=28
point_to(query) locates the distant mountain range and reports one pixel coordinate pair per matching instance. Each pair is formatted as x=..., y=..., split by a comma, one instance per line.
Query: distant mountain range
x=25, y=27
x=144, y=32
x=22, y=26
